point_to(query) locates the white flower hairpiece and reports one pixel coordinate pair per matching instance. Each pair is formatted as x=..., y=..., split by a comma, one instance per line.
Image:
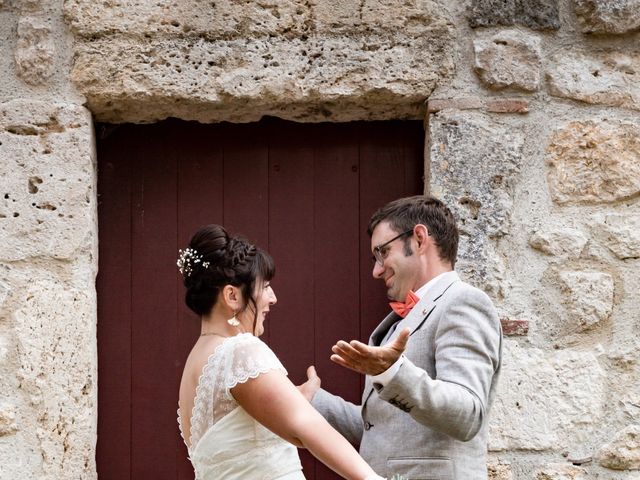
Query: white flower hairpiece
x=188, y=259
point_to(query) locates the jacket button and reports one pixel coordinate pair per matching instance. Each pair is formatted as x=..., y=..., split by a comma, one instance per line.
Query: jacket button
x=367, y=425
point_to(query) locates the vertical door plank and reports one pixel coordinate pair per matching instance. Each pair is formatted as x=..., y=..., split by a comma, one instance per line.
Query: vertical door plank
x=198, y=151
x=246, y=187
x=336, y=232
x=154, y=292
x=337, y=289
x=292, y=244
x=113, y=455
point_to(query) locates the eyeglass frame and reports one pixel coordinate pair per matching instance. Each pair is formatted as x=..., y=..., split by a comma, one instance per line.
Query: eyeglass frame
x=377, y=254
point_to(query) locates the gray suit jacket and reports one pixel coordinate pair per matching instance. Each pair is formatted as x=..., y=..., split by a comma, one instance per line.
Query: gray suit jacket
x=430, y=420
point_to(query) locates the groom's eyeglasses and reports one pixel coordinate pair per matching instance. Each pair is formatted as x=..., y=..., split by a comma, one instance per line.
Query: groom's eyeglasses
x=381, y=251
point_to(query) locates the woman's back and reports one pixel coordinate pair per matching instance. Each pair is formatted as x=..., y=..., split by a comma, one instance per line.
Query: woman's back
x=223, y=440
x=196, y=361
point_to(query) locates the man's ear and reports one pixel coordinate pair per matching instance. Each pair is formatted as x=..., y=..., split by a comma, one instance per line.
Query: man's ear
x=422, y=235
x=231, y=297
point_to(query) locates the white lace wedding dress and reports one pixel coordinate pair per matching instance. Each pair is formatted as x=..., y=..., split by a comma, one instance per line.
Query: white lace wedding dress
x=225, y=441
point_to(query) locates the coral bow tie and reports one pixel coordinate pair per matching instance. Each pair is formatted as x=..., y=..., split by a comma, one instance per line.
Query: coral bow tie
x=403, y=308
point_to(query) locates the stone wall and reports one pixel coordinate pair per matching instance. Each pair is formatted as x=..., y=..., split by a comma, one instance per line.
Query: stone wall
x=533, y=137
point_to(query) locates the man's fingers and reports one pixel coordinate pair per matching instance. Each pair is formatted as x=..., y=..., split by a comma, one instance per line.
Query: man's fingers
x=339, y=360
x=360, y=347
x=345, y=350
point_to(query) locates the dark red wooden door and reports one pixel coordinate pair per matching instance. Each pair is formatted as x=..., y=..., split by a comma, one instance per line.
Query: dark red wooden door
x=304, y=192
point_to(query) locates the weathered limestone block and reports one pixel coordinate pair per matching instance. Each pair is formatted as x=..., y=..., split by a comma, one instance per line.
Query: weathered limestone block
x=7, y=419
x=564, y=243
x=35, y=50
x=536, y=14
x=54, y=330
x=47, y=205
x=499, y=471
x=609, y=78
x=561, y=471
x=141, y=69
x=542, y=402
x=621, y=233
x=623, y=453
x=508, y=58
x=608, y=16
x=594, y=162
x=589, y=298
x=474, y=166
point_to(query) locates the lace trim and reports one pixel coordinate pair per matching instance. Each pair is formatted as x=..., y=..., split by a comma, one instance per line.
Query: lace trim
x=252, y=375
x=212, y=360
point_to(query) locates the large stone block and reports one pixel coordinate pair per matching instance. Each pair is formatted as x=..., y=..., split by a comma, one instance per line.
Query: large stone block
x=35, y=51
x=139, y=69
x=594, y=162
x=621, y=234
x=588, y=298
x=536, y=14
x=47, y=202
x=508, y=58
x=54, y=331
x=608, y=16
x=474, y=166
x=623, y=453
x=535, y=382
x=562, y=243
x=608, y=78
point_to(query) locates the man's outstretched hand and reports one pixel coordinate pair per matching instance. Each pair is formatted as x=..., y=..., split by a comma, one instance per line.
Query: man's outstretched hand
x=312, y=385
x=369, y=360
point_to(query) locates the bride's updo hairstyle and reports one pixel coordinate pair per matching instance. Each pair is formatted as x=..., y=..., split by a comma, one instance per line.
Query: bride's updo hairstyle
x=213, y=260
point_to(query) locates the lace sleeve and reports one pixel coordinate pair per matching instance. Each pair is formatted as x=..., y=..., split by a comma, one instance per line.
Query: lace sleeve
x=250, y=358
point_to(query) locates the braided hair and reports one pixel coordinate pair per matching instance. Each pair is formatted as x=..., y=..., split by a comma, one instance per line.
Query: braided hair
x=213, y=260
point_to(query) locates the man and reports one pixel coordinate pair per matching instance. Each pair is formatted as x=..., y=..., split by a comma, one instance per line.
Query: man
x=430, y=376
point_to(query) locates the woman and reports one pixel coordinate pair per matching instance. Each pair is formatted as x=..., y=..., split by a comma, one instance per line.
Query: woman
x=239, y=414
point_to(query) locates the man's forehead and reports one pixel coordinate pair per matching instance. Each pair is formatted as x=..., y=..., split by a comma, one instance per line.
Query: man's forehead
x=381, y=232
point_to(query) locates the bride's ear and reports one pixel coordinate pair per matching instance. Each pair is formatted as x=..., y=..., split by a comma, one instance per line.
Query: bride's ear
x=231, y=297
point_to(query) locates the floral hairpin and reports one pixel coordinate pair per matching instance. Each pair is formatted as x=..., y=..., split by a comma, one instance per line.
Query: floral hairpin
x=188, y=259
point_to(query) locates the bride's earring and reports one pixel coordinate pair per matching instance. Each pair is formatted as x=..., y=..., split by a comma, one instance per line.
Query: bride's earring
x=233, y=321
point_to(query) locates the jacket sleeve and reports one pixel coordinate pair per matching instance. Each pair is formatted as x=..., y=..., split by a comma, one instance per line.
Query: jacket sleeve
x=344, y=416
x=467, y=349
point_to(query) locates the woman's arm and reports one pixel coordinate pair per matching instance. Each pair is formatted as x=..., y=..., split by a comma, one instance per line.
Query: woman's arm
x=278, y=405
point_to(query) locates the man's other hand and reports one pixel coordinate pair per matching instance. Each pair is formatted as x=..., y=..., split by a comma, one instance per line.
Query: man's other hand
x=312, y=385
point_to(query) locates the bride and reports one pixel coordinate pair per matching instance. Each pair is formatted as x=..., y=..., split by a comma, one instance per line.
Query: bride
x=240, y=416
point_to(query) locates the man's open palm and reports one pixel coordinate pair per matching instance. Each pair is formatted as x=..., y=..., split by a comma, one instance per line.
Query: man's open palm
x=367, y=359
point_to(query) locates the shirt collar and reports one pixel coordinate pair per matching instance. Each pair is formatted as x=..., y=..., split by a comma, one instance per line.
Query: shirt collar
x=424, y=288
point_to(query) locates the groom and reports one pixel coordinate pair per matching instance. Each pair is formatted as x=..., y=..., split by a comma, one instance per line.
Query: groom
x=431, y=365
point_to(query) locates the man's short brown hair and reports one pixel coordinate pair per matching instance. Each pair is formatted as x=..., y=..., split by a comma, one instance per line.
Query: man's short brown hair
x=405, y=213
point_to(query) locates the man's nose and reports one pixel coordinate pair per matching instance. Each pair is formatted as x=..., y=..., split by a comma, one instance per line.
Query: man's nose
x=377, y=270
